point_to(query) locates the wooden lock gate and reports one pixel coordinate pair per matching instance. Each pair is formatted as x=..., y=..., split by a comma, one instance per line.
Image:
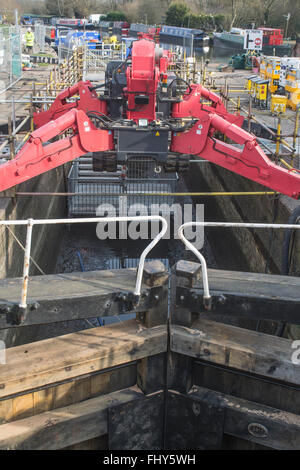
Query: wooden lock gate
x=190, y=379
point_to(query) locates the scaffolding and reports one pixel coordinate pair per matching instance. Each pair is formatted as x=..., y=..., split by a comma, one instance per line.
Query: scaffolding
x=96, y=60
x=10, y=57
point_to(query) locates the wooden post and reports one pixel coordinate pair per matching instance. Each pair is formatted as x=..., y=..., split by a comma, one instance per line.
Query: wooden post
x=151, y=371
x=179, y=372
x=186, y=275
x=156, y=277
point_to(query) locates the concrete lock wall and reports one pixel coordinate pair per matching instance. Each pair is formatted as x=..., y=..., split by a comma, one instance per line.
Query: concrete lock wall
x=242, y=249
x=250, y=250
x=45, y=239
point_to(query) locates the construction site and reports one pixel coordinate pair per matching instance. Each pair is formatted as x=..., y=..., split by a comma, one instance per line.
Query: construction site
x=187, y=337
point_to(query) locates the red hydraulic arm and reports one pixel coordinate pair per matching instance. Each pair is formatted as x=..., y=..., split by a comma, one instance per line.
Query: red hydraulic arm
x=88, y=101
x=250, y=161
x=148, y=67
x=36, y=157
x=192, y=105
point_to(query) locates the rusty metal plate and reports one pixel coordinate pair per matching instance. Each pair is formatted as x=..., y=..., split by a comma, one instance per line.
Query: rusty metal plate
x=193, y=424
x=137, y=425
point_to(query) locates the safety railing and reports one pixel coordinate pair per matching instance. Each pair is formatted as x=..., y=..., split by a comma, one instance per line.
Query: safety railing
x=95, y=60
x=207, y=296
x=31, y=222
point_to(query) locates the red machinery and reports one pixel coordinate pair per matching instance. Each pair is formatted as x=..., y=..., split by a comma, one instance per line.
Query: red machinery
x=272, y=37
x=143, y=110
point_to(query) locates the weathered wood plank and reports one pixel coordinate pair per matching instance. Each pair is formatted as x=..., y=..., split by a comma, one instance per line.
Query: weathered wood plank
x=57, y=359
x=241, y=305
x=276, y=429
x=68, y=284
x=77, y=389
x=65, y=426
x=256, y=284
x=244, y=385
x=64, y=297
x=237, y=348
x=247, y=296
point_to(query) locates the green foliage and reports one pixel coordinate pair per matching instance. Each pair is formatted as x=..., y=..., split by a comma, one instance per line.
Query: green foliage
x=176, y=14
x=207, y=22
x=202, y=14
x=115, y=16
x=69, y=8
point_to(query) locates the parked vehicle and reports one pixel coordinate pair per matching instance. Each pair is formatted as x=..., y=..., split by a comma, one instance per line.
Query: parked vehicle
x=96, y=18
x=272, y=39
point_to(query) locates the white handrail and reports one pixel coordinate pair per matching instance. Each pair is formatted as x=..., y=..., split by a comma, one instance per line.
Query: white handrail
x=207, y=296
x=31, y=222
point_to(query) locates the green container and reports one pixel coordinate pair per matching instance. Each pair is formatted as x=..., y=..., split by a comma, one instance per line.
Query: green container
x=238, y=61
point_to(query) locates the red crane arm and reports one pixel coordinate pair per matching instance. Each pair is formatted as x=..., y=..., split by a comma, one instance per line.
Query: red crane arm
x=38, y=155
x=148, y=67
x=88, y=101
x=249, y=161
x=192, y=105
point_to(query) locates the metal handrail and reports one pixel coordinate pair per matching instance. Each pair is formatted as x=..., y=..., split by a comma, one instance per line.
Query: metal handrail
x=31, y=222
x=207, y=297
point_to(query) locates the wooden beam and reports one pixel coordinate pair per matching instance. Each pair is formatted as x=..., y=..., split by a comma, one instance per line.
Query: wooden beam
x=254, y=422
x=64, y=297
x=243, y=282
x=54, y=360
x=64, y=426
x=244, y=295
x=237, y=348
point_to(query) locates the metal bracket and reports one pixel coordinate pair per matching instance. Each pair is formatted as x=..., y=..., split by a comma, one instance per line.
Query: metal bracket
x=15, y=314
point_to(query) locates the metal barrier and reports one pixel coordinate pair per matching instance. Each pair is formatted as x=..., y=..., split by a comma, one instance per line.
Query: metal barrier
x=207, y=296
x=10, y=57
x=40, y=36
x=31, y=222
x=140, y=178
x=95, y=60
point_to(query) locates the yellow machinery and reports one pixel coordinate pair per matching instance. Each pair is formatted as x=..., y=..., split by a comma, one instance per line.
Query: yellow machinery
x=278, y=104
x=263, y=67
x=293, y=88
x=253, y=86
x=248, y=84
x=261, y=93
x=113, y=39
x=273, y=73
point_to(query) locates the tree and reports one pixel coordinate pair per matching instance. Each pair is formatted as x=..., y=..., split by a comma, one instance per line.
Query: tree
x=176, y=13
x=151, y=12
x=267, y=9
x=115, y=16
x=60, y=7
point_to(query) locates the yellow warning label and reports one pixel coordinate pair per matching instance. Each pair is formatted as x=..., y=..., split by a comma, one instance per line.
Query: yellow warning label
x=157, y=134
